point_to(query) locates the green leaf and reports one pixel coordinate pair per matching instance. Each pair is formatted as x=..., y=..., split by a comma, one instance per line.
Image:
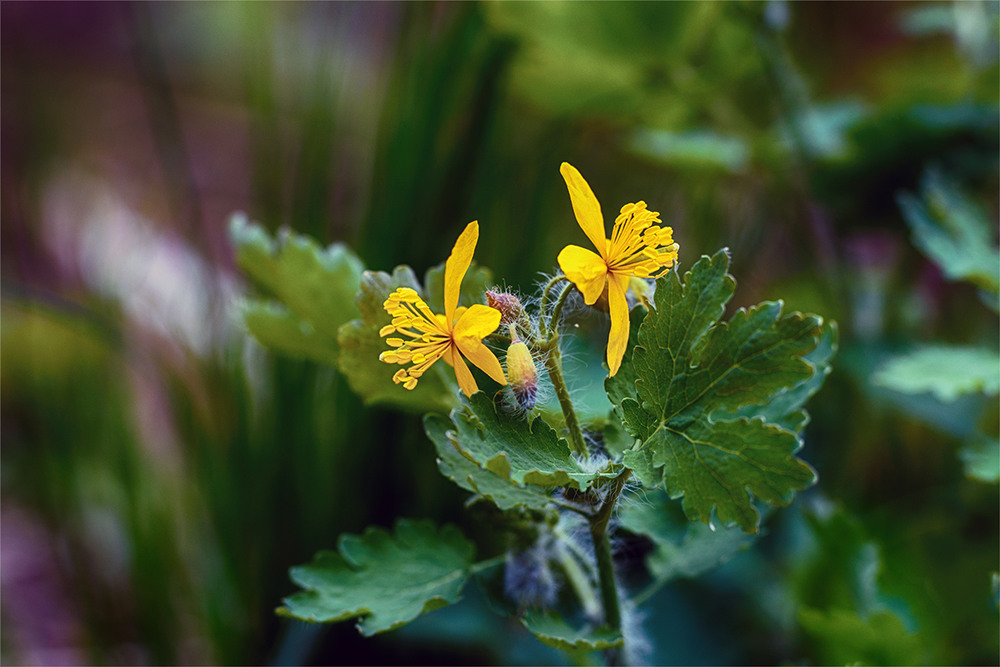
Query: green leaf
x=276, y=327
x=688, y=376
x=525, y=452
x=314, y=288
x=843, y=567
x=954, y=232
x=982, y=459
x=785, y=409
x=683, y=549
x=504, y=493
x=846, y=638
x=386, y=579
x=553, y=630
x=945, y=371
x=370, y=378
x=616, y=439
x=691, y=149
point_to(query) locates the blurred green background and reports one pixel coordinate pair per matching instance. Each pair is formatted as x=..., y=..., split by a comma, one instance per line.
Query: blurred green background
x=161, y=471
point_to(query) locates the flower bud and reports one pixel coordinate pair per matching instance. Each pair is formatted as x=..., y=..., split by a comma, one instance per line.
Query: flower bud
x=522, y=376
x=642, y=290
x=508, y=304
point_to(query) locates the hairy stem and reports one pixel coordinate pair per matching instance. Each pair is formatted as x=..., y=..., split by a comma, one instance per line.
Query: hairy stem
x=557, y=311
x=545, y=300
x=602, y=550
x=553, y=364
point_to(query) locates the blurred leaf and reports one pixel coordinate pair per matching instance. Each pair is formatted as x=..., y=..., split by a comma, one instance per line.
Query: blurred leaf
x=278, y=328
x=37, y=344
x=314, y=287
x=842, y=603
x=370, y=378
x=516, y=449
x=954, y=232
x=694, y=148
x=843, y=570
x=683, y=548
x=387, y=579
x=615, y=60
x=553, y=630
x=687, y=367
x=846, y=638
x=982, y=459
x=972, y=25
x=957, y=418
x=616, y=439
x=824, y=128
x=945, y=371
x=929, y=19
x=504, y=493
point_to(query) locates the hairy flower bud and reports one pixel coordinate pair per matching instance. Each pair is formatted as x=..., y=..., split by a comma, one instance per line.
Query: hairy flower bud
x=508, y=304
x=522, y=376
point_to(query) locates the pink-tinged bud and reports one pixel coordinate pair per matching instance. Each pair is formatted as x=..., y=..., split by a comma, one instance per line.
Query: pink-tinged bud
x=522, y=376
x=508, y=304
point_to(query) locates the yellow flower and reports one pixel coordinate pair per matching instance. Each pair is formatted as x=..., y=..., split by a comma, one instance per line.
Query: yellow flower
x=457, y=333
x=638, y=247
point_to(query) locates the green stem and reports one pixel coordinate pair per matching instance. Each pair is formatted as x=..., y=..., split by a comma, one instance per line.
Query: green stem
x=476, y=568
x=557, y=311
x=553, y=364
x=545, y=300
x=602, y=551
x=580, y=582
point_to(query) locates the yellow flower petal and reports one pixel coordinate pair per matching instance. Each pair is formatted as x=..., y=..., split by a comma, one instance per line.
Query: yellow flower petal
x=456, y=266
x=483, y=357
x=463, y=374
x=477, y=322
x=585, y=206
x=587, y=270
x=618, y=338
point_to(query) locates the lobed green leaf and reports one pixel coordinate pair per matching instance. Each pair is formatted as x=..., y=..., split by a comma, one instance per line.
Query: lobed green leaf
x=519, y=450
x=954, y=232
x=503, y=492
x=553, y=630
x=945, y=371
x=385, y=579
x=716, y=405
x=314, y=290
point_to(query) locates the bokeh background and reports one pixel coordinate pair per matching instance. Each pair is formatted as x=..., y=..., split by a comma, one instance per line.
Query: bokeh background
x=161, y=471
